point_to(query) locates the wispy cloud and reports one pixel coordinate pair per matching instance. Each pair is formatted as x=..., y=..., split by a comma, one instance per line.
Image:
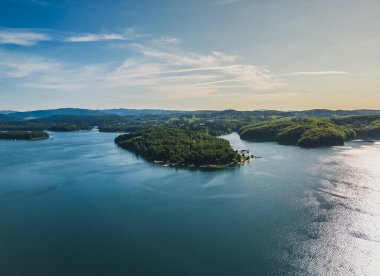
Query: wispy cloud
x=67, y=79
x=30, y=37
x=95, y=37
x=19, y=65
x=175, y=70
x=166, y=41
x=23, y=37
x=16, y=69
x=317, y=73
x=158, y=69
x=154, y=72
x=35, y=72
x=169, y=71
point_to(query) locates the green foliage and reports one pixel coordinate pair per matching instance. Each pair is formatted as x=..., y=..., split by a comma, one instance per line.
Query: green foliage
x=311, y=132
x=264, y=131
x=291, y=134
x=24, y=135
x=366, y=126
x=319, y=137
x=179, y=146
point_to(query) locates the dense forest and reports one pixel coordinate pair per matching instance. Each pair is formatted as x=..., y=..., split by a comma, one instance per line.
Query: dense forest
x=308, y=133
x=365, y=126
x=23, y=135
x=179, y=147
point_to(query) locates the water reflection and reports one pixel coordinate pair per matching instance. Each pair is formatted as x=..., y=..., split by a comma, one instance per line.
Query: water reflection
x=343, y=234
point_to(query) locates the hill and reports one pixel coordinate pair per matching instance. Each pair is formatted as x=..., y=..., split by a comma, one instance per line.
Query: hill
x=179, y=147
x=366, y=126
x=307, y=133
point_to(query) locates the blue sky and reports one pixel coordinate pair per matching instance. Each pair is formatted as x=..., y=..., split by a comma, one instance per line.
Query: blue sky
x=216, y=54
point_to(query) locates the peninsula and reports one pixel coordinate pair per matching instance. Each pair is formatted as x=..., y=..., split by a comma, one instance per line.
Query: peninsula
x=179, y=147
x=23, y=135
x=306, y=133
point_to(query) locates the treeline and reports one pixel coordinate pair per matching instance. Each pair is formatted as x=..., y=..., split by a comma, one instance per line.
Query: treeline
x=308, y=133
x=63, y=127
x=179, y=146
x=24, y=135
x=119, y=128
x=365, y=126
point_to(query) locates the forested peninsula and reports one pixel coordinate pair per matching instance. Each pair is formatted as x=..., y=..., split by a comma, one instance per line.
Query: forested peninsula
x=23, y=135
x=180, y=148
x=365, y=126
x=306, y=133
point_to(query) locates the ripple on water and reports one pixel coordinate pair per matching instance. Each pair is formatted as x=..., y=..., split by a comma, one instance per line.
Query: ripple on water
x=341, y=234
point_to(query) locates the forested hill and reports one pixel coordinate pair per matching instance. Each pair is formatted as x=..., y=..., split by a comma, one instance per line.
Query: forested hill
x=308, y=133
x=365, y=126
x=179, y=147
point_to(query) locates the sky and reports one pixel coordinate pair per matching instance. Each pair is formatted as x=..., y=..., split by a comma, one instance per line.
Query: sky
x=190, y=54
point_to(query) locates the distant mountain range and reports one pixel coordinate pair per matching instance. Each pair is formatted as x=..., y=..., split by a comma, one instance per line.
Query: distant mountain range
x=37, y=114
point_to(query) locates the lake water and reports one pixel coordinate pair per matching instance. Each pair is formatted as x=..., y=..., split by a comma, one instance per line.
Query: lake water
x=78, y=205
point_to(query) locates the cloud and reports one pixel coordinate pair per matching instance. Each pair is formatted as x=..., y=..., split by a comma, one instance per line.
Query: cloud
x=317, y=73
x=95, y=37
x=18, y=66
x=153, y=73
x=23, y=37
x=30, y=37
x=175, y=70
x=35, y=72
x=166, y=41
x=25, y=68
x=177, y=57
x=67, y=79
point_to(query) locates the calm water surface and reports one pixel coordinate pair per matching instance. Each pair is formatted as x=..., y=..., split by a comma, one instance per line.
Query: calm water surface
x=78, y=205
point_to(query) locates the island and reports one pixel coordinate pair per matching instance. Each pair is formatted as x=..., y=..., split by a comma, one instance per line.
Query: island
x=178, y=147
x=23, y=135
x=306, y=133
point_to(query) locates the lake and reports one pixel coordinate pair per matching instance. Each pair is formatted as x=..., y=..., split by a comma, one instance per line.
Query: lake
x=77, y=204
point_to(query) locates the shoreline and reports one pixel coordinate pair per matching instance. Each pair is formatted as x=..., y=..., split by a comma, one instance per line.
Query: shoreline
x=193, y=166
